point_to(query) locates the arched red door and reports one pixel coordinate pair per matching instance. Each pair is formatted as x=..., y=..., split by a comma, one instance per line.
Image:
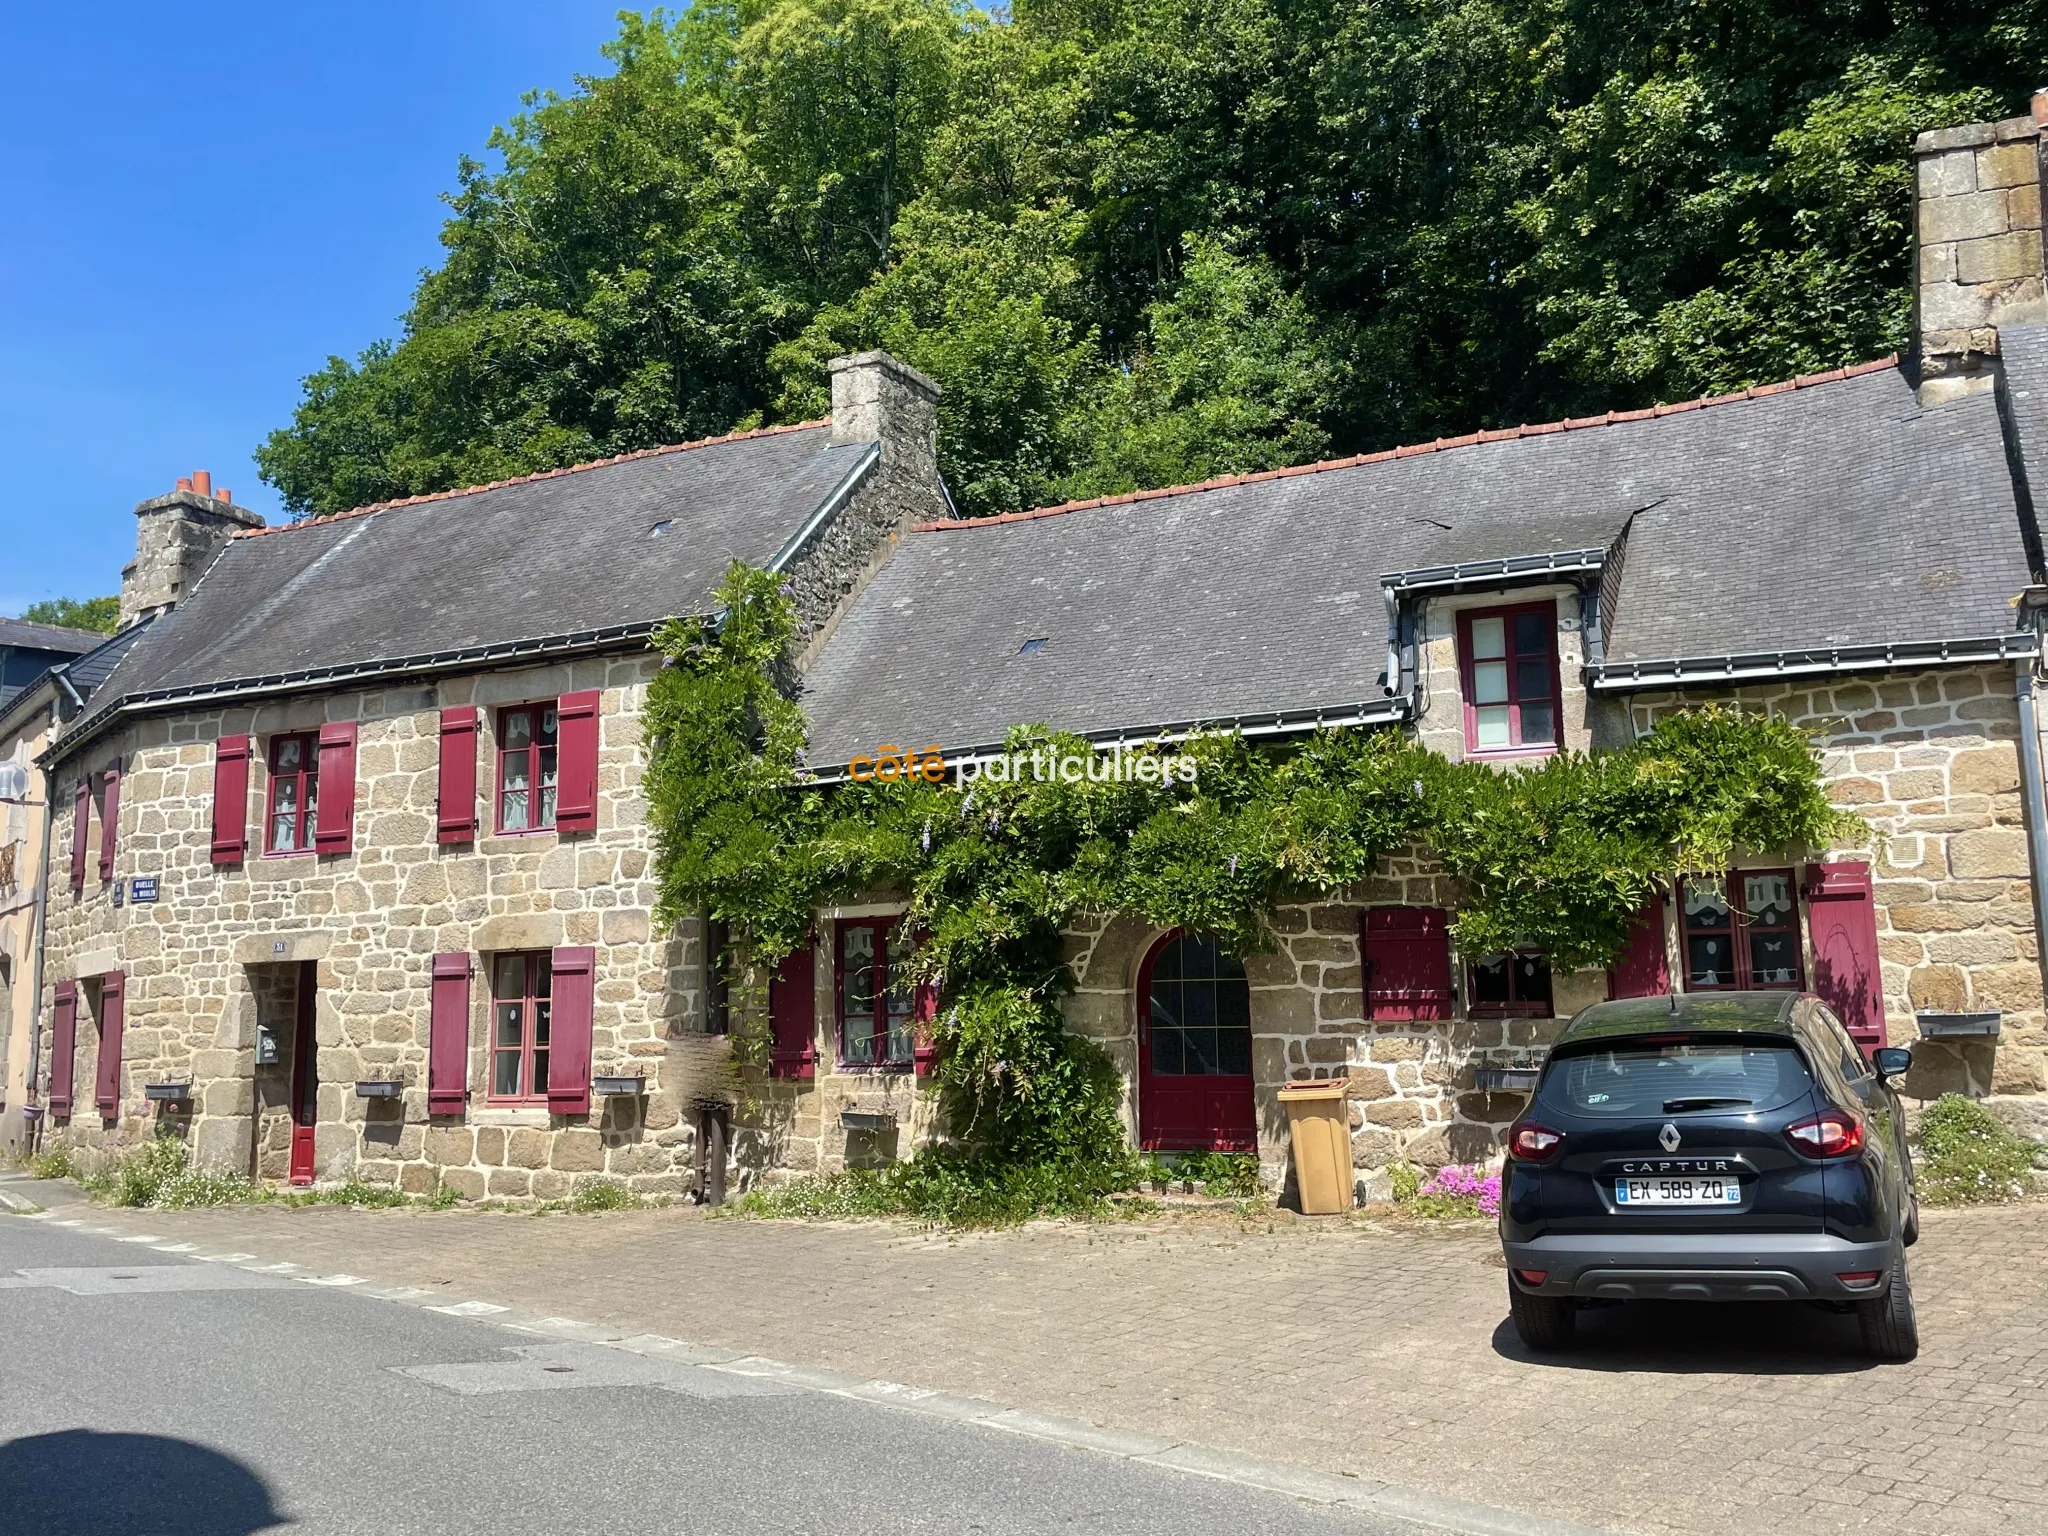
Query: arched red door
x=1194, y=1049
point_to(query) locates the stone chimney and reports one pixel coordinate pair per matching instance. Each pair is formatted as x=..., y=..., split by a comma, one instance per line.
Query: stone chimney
x=875, y=399
x=176, y=538
x=1979, y=257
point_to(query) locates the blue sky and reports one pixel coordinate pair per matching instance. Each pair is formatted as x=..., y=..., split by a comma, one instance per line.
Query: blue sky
x=204, y=200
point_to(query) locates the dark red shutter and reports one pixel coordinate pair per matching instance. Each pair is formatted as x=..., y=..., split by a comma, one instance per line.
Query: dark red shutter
x=334, y=821
x=792, y=1013
x=113, y=1014
x=81, y=823
x=576, y=762
x=1407, y=963
x=1644, y=968
x=1843, y=913
x=63, y=1047
x=230, y=799
x=569, y=1021
x=110, y=816
x=448, y=1037
x=457, y=814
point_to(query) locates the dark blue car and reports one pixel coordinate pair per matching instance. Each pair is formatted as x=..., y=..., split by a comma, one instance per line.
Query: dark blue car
x=1733, y=1147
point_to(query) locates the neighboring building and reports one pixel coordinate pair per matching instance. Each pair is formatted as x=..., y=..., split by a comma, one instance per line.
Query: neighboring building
x=362, y=815
x=27, y=651
x=382, y=771
x=30, y=718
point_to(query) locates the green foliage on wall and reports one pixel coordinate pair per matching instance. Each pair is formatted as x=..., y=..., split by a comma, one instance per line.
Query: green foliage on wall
x=1559, y=856
x=1153, y=241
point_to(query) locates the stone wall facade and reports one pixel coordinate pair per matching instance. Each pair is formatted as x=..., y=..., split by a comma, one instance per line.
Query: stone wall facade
x=218, y=953
x=1931, y=762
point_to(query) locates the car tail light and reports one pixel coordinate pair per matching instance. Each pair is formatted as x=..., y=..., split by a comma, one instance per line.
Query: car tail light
x=1857, y=1278
x=1533, y=1143
x=1828, y=1134
x=1538, y=1276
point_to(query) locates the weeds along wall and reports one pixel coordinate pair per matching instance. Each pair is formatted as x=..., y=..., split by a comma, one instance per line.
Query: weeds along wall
x=1559, y=856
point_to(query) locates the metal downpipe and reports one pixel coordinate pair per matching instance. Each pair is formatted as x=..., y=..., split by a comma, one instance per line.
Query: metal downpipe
x=2036, y=798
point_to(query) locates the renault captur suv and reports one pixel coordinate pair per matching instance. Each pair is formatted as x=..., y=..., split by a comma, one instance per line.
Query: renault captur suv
x=1731, y=1147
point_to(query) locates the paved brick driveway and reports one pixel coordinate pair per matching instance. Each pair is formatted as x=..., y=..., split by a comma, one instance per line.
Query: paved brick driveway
x=1379, y=1351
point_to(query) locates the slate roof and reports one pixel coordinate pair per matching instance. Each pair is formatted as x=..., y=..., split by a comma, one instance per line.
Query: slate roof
x=48, y=637
x=588, y=553
x=84, y=673
x=2024, y=351
x=1825, y=511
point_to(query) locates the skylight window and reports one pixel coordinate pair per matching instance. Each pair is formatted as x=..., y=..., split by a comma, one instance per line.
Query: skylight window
x=1033, y=647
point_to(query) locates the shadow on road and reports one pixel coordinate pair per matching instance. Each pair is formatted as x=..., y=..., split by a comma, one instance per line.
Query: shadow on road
x=1689, y=1338
x=79, y=1481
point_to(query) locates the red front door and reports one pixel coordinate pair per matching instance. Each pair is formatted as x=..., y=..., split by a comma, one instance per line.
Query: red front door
x=1194, y=1049
x=305, y=1079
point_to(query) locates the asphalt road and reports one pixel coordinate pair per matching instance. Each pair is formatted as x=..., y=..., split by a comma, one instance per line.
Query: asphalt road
x=146, y=1392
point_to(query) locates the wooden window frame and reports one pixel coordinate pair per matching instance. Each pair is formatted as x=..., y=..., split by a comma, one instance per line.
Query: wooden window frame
x=1466, y=675
x=307, y=777
x=1514, y=1008
x=532, y=1093
x=922, y=1005
x=1743, y=976
x=536, y=779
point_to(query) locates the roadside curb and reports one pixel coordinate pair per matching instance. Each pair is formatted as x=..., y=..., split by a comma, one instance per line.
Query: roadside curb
x=1417, y=1507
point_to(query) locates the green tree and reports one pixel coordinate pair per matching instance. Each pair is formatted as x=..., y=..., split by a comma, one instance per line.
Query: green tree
x=1149, y=240
x=98, y=613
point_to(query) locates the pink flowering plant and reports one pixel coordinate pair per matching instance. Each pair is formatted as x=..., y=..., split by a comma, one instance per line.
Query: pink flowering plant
x=1458, y=1189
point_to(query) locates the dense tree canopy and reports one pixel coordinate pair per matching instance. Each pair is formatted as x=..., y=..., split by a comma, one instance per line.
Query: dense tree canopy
x=100, y=613
x=1142, y=241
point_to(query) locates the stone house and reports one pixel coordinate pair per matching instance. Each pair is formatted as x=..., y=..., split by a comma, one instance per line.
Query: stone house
x=359, y=944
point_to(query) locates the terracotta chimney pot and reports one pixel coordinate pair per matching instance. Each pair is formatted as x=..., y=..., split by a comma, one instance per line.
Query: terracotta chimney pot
x=224, y=494
x=202, y=481
x=184, y=482
x=2041, y=108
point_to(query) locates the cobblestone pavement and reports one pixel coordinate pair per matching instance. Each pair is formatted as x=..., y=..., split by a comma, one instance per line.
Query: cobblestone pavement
x=1382, y=1351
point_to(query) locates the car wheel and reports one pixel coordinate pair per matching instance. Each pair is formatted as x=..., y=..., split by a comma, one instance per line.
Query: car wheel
x=1544, y=1322
x=1910, y=1233
x=1889, y=1329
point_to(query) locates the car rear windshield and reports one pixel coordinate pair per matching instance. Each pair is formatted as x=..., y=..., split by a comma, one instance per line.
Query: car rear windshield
x=1676, y=1077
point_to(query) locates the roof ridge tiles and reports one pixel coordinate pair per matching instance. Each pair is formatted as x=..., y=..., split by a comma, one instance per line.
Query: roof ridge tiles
x=540, y=474
x=1413, y=450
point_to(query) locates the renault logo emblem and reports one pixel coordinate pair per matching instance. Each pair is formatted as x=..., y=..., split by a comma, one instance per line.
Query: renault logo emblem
x=1668, y=1138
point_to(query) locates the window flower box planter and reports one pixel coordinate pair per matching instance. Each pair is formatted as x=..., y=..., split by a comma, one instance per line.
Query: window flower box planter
x=380, y=1088
x=1957, y=1026
x=167, y=1093
x=619, y=1087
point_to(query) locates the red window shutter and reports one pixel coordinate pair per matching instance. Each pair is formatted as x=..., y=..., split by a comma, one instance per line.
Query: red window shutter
x=1407, y=963
x=457, y=812
x=63, y=1047
x=81, y=823
x=1644, y=968
x=569, y=1021
x=792, y=1013
x=576, y=762
x=334, y=825
x=1844, y=926
x=113, y=1014
x=448, y=1037
x=230, y=799
x=110, y=816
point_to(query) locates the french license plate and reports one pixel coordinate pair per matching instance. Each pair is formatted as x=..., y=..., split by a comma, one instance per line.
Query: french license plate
x=1677, y=1191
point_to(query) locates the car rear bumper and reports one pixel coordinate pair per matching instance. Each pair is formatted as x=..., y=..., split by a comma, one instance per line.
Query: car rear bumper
x=1701, y=1266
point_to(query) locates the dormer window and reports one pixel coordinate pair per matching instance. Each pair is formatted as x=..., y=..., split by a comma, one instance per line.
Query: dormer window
x=1507, y=660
